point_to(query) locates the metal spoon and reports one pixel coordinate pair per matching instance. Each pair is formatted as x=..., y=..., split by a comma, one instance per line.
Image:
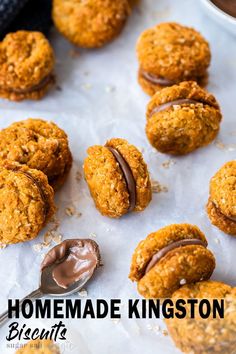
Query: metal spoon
x=49, y=287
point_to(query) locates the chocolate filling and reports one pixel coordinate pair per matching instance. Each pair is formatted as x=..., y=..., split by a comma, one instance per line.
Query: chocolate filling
x=128, y=175
x=73, y=260
x=228, y=6
x=161, y=253
x=153, y=79
x=230, y=218
x=40, y=189
x=167, y=105
x=43, y=83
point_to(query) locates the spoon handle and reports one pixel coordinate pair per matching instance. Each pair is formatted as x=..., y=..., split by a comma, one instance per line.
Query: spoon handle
x=32, y=296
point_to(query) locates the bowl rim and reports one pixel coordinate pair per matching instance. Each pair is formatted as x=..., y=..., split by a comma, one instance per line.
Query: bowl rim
x=219, y=12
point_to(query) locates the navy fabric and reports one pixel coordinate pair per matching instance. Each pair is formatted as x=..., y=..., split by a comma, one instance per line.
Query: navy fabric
x=32, y=15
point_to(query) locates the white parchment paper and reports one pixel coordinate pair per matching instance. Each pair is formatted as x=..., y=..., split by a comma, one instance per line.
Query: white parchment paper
x=100, y=99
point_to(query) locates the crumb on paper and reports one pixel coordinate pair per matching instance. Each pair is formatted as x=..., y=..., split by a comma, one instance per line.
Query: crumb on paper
x=71, y=211
x=165, y=332
x=86, y=86
x=115, y=320
x=110, y=88
x=168, y=163
x=227, y=147
x=216, y=240
x=92, y=234
x=54, y=224
x=78, y=176
x=83, y=293
x=38, y=247
x=2, y=246
x=153, y=328
x=157, y=187
x=47, y=238
x=57, y=238
x=156, y=329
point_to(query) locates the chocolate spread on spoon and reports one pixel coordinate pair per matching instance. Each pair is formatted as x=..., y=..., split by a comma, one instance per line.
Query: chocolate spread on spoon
x=161, y=253
x=228, y=6
x=128, y=175
x=73, y=260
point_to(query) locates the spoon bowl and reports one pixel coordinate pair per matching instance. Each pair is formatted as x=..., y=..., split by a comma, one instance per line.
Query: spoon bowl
x=48, y=286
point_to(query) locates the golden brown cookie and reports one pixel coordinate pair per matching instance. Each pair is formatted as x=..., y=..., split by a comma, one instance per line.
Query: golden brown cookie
x=204, y=336
x=118, y=178
x=26, y=203
x=39, y=144
x=26, y=66
x=221, y=205
x=170, y=53
x=90, y=23
x=39, y=346
x=174, y=255
x=182, y=118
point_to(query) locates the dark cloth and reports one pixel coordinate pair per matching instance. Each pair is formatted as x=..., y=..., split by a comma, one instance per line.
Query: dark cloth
x=34, y=15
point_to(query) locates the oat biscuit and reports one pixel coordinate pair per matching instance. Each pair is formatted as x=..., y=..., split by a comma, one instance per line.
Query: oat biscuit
x=204, y=336
x=26, y=203
x=39, y=144
x=170, y=53
x=118, y=178
x=39, y=346
x=182, y=118
x=174, y=255
x=91, y=23
x=221, y=205
x=26, y=66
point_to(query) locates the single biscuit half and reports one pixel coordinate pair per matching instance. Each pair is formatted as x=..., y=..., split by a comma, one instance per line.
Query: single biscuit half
x=39, y=144
x=167, y=258
x=91, y=23
x=221, y=205
x=26, y=66
x=118, y=178
x=26, y=203
x=39, y=346
x=170, y=53
x=204, y=336
x=182, y=118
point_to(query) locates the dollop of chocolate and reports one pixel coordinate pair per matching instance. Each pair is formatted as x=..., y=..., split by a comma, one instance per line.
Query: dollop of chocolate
x=153, y=79
x=128, y=175
x=73, y=260
x=228, y=6
x=164, y=106
x=161, y=253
